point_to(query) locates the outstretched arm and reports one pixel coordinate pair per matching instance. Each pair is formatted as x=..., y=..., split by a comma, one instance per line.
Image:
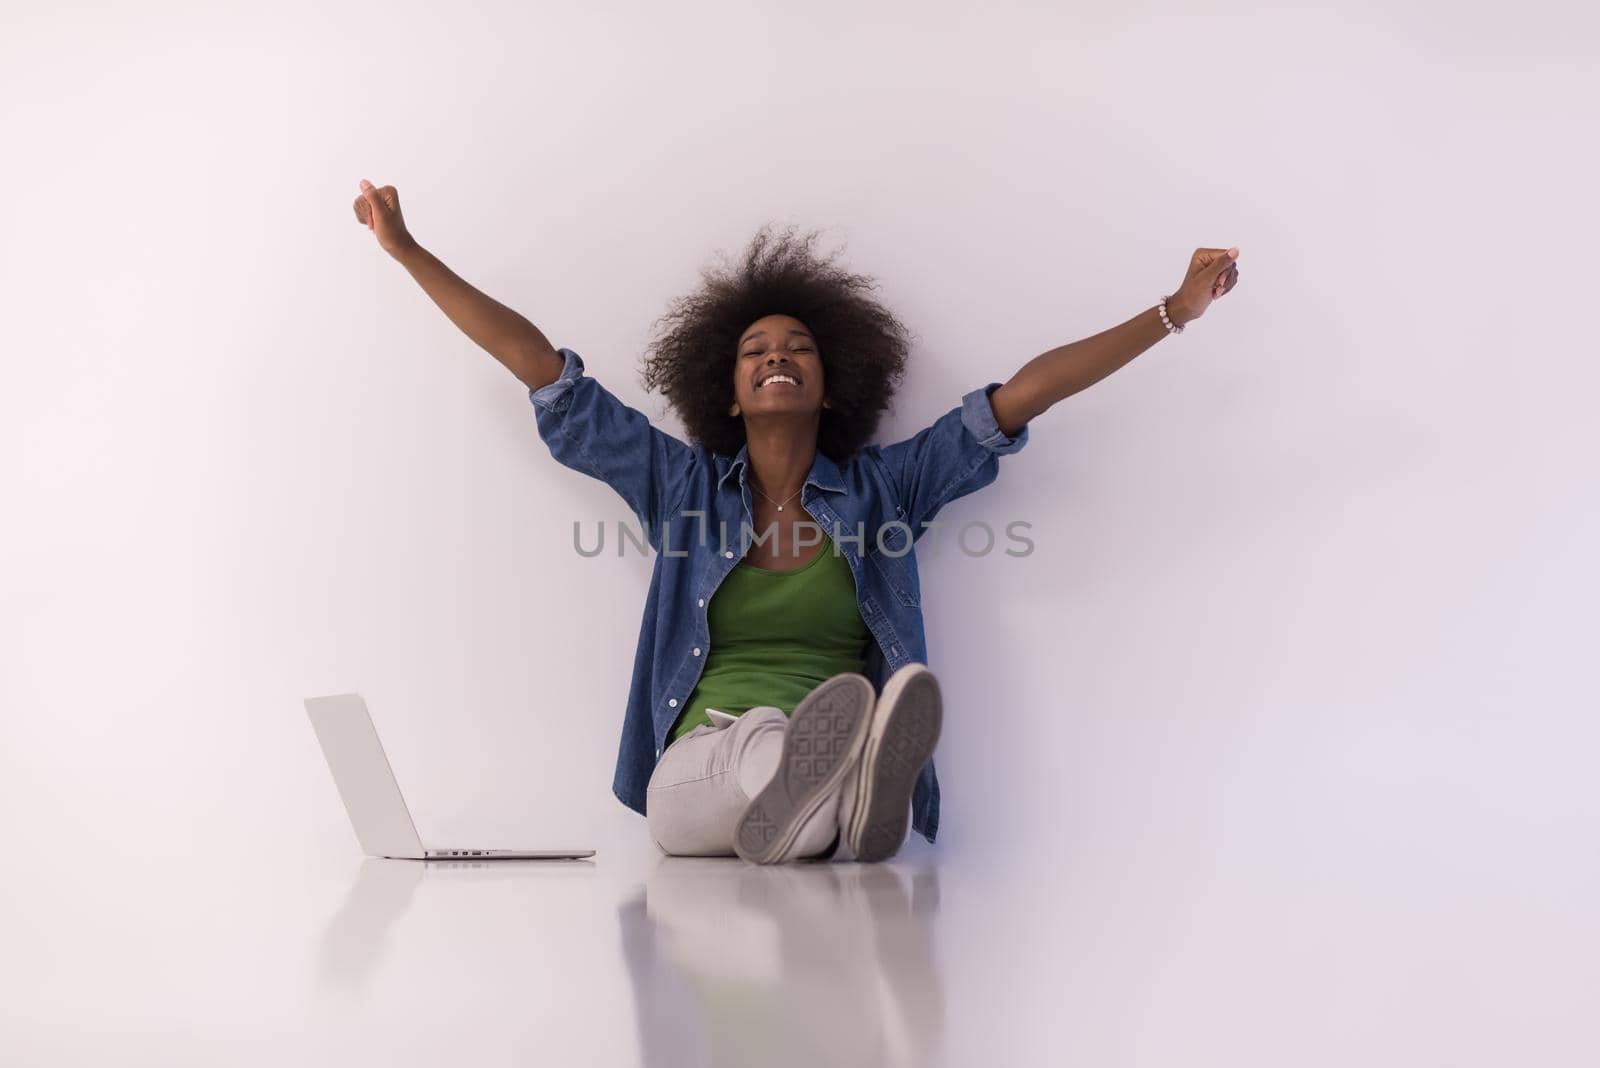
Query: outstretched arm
x=497, y=329
x=1063, y=371
x=587, y=428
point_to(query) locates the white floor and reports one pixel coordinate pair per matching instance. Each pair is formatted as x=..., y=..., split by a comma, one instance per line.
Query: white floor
x=1269, y=953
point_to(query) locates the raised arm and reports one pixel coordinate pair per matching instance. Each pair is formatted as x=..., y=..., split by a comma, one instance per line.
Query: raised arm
x=586, y=426
x=1063, y=371
x=499, y=331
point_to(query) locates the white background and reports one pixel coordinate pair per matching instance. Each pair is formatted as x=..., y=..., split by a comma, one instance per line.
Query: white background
x=1307, y=635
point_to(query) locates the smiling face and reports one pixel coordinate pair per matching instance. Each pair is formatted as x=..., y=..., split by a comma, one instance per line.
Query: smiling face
x=778, y=370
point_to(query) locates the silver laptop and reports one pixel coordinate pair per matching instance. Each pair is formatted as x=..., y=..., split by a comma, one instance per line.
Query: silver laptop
x=372, y=796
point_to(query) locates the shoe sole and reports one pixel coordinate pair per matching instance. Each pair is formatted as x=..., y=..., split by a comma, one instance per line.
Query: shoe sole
x=822, y=743
x=904, y=731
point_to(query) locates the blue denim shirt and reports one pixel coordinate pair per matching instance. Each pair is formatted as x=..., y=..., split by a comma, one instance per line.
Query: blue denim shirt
x=695, y=509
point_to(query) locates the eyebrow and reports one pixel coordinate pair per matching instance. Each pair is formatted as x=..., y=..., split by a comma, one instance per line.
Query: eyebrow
x=760, y=333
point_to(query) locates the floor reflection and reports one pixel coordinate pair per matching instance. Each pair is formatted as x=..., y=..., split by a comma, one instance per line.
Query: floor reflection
x=737, y=964
x=353, y=940
x=354, y=937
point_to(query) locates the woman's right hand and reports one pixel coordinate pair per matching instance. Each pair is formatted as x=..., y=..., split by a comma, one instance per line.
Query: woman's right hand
x=379, y=210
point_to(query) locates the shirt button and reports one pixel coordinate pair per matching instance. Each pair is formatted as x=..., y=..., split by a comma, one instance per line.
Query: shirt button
x=697, y=651
x=701, y=602
x=729, y=554
x=672, y=702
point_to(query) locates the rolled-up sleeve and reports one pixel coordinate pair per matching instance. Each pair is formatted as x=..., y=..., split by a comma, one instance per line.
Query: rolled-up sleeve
x=958, y=454
x=588, y=429
x=557, y=395
x=977, y=415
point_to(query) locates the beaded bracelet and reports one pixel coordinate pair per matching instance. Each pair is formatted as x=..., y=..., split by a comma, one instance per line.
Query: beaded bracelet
x=1162, y=307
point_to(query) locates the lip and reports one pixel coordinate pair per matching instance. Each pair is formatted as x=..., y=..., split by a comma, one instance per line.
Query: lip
x=762, y=383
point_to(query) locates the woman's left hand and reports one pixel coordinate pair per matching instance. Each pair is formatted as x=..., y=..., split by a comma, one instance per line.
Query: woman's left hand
x=1212, y=273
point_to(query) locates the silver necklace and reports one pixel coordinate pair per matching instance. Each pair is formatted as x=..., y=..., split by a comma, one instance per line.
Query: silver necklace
x=781, y=503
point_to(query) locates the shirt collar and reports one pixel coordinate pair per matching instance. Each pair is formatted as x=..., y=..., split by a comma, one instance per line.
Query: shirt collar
x=824, y=472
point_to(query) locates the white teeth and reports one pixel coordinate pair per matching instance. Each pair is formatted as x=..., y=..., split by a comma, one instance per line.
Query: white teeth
x=779, y=378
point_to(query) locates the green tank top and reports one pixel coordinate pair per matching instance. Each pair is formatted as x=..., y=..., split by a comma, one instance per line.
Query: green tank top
x=775, y=636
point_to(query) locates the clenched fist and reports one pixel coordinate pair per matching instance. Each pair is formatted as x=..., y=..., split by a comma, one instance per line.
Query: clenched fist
x=379, y=210
x=1212, y=274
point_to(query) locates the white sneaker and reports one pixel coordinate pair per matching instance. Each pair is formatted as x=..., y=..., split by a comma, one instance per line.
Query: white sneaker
x=823, y=742
x=900, y=739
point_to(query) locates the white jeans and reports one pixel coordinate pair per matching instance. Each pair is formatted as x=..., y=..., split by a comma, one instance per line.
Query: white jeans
x=703, y=781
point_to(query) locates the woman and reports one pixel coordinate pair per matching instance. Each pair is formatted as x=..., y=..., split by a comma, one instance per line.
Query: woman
x=781, y=707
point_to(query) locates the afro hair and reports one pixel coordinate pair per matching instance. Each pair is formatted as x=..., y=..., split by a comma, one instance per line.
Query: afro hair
x=862, y=346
